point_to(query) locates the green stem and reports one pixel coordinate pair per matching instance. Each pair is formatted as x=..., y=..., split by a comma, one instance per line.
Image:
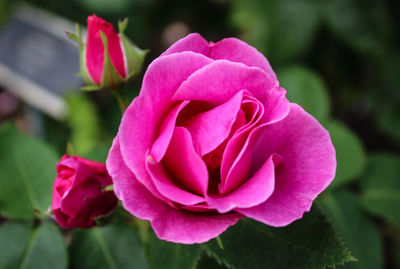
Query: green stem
x=219, y=242
x=123, y=104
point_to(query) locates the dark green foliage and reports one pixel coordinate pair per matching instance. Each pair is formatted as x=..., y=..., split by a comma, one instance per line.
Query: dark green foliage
x=308, y=243
x=114, y=246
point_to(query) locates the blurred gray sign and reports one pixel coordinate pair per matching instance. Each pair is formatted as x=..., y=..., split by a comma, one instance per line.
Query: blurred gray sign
x=38, y=63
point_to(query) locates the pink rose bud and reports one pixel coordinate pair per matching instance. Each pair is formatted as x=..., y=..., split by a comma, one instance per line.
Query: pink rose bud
x=108, y=59
x=79, y=194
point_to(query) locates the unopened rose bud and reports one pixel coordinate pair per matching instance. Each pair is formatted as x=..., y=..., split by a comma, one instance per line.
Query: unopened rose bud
x=108, y=58
x=80, y=194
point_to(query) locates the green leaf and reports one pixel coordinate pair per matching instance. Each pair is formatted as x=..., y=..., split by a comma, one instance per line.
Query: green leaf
x=350, y=153
x=46, y=249
x=307, y=89
x=105, y=6
x=83, y=122
x=208, y=262
x=27, y=172
x=164, y=254
x=358, y=231
x=281, y=29
x=308, y=243
x=134, y=56
x=115, y=246
x=380, y=186
x=364, y=25
x=90, y=88
x=98, y=153
x=14, y=237
x=73, y=37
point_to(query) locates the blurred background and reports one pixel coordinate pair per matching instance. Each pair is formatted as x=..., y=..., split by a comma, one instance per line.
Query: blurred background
x=339, y=59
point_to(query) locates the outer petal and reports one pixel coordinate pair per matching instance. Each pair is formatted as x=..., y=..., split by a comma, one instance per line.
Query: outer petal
x=253, y=192
x=231, y=49
x=220, y=80
x=143, y=117
x=193, y=42
x=94, y=50
x=168, y=223
x=308, y=167
x=235, y=50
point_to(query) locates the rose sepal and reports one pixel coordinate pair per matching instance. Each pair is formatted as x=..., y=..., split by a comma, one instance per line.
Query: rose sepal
x=134, y=56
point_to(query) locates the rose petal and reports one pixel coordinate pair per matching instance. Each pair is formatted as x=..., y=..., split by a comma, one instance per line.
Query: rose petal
x=163, y=182
x=121, y=174
x=193, y=42
x=253, y=192
x=219, y=81
x=308, y=167
x=160, y=145
x=143, y=117
x=168, y=223
x=182, y=161
x=209, y=129
x=235, y=50
x=240, y=168
x=94, y=48
x=237, y=157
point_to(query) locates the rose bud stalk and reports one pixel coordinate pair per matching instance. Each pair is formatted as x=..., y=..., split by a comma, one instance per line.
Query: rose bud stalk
x=79, y=195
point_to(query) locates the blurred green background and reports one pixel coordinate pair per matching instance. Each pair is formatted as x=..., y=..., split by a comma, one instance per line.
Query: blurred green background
x=339, y=59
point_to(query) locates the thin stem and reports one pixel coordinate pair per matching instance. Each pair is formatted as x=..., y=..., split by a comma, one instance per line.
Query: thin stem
x=123, y=104
x=219, y=242
x=121, y=98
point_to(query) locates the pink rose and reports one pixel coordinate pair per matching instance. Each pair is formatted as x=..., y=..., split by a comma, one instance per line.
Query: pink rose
x=108, y=58
x=211, y=139
x=78, y=192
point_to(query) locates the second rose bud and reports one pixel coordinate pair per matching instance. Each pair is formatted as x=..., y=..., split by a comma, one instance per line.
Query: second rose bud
x=108, y=58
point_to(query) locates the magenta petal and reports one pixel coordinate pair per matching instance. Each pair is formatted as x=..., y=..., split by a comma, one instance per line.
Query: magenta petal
x=164, y=184
x=209, y=129
x=188, y=228
x=94, y=48
x=183, y=161
x=238, y=166
x=308, y=167
x=121, y=174
x=219, y=81
x=168, y=223
x=142, y=119
x=253, y=192
x=235, y=50
x=193, y=42
x=160, y=145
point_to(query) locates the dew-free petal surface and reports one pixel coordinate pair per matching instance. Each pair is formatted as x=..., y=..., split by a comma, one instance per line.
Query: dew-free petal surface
x=168, y=223
x=219, y=81
x=308, y=167
x=193, y=42
x=94, y=48
x=164, y=182
x=160, y=145
x=184, y=162
x=209, y=129
x=235, y=50
x=253, y=192
x=144, y=115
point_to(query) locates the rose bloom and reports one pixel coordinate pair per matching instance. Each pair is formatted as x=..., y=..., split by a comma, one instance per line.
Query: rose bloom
x=212, y=139
x=78, y=192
